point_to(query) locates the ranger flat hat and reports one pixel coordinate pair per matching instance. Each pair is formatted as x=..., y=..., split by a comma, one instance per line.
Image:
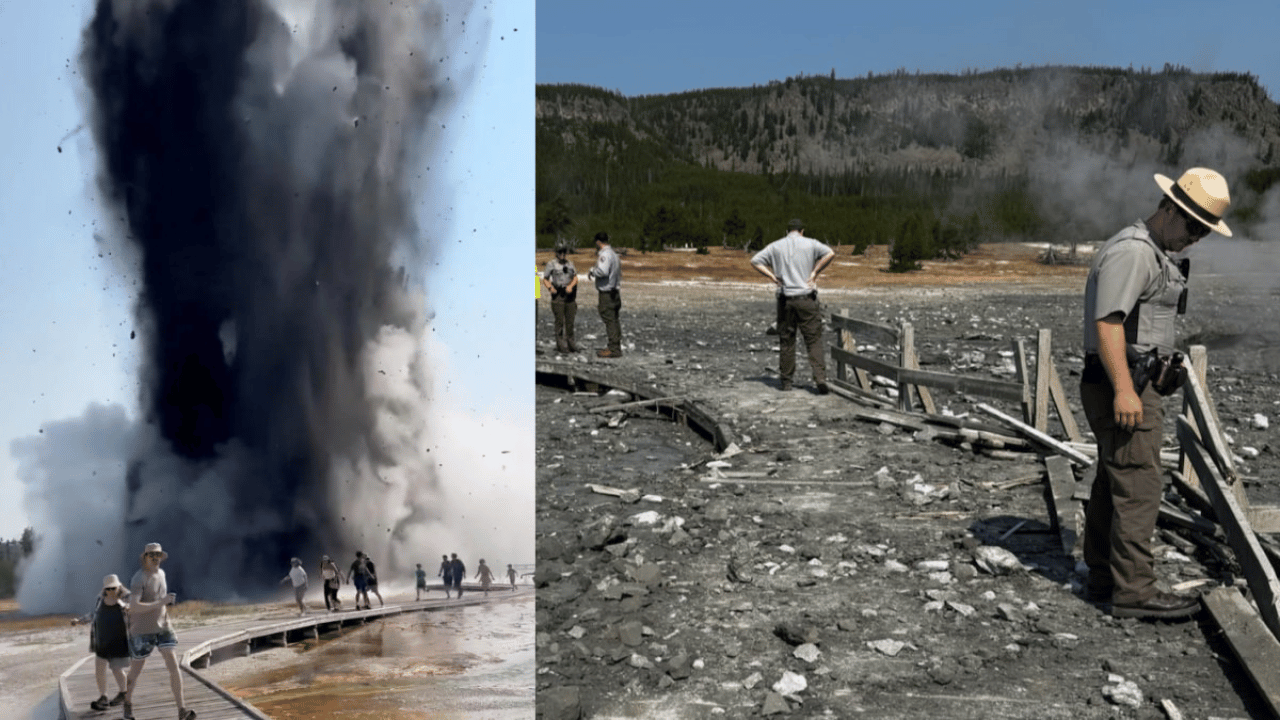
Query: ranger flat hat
x=1201, y=192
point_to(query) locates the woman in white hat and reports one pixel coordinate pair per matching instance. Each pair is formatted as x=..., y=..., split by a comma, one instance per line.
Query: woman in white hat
x=109, y=641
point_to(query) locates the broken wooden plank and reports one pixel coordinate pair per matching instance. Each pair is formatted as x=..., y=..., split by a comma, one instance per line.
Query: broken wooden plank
x=1074, y=455
x=1059, y=396
x=1264, y=518
x=1254, y=645
x=849, y=342
x=1253, y=562
x=1199, y=358
x=853, y=392
x=1207, y=423
x=1062, y=507
x=900, y=419
x=670, y=400
x=995, y=389
x=884, y=334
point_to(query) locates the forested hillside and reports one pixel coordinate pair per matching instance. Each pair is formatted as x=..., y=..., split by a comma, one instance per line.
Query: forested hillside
x=1050, y=153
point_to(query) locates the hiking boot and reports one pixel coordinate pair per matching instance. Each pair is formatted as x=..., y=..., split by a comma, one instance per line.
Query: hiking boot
x=119, y=698
x=562, y=347
x=607, y=353
x=573, y=347
x=128, y=711
x=100, y=704
x=187, y=714
x=823, y=388
x=1161, y=606
x=784, y=386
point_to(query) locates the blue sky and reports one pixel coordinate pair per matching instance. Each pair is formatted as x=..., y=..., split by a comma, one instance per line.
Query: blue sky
x=665, y=46
x=65, y=317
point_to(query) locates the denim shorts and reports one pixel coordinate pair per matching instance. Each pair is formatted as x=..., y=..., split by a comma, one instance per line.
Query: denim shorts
x=140, y=646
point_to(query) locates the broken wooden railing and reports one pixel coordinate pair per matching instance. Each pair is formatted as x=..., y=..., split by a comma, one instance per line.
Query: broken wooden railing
x=1204, y=469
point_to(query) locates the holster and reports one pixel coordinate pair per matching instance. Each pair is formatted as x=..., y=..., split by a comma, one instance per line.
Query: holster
x=1165, y=373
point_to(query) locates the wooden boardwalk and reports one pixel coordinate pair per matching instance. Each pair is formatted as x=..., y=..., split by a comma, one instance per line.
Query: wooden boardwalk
x=201, y=647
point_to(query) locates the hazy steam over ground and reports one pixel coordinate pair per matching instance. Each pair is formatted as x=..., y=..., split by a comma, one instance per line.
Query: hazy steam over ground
x=260, y=162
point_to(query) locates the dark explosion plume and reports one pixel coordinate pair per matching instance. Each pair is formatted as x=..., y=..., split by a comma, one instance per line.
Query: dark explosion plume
x=258, y=156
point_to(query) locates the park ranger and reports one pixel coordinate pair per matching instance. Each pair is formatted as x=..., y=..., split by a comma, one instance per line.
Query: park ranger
x=1133, y=294
x=561, y=280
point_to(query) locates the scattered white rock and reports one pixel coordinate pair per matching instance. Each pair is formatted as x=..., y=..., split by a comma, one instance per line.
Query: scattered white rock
x=790, y=684
x=787, y=549
x=932, y=565
x=895, y=566
x=807, y=652
x=996, y=560
x=699, y=664
x=1249, y=452
x=576, y=632
x=648, y=517
x=651, y=498
x=933, y=606
x=888, y=646
x=752, y=680
x=1260, y=421
x=965, y=610
x=1122, y=692
x=640, y=662
x=719, y=464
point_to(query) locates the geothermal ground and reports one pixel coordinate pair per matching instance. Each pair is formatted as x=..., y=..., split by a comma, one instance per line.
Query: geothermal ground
x=829, y=570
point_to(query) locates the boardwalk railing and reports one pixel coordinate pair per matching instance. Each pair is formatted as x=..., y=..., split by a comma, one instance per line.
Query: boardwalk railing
x=213, y=644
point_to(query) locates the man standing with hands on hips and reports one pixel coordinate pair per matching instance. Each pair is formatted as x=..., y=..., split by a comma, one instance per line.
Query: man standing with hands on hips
x=793, y=264
x=1133, y=295
x=608, y=276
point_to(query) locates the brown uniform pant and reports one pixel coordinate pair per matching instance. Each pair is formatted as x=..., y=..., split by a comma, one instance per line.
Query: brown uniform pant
x=565, y=309
x=610, y=305
x=804, y=314
x=1125, y=498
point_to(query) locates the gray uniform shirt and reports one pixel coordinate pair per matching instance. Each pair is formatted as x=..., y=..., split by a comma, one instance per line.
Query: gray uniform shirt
x=792, y=259
x=608, y=271
x=1133, y=277
x=559, y=274
x=148, y=587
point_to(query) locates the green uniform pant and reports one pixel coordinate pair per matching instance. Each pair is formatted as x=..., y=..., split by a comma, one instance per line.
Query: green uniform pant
x=803, y=314
x=610, y=305
x=565, y=309
x=1125, y=498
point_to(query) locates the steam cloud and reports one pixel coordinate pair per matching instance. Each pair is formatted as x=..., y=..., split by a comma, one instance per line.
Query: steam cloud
x=258, y=155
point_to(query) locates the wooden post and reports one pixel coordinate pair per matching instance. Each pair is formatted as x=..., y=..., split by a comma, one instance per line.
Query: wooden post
x=1020, y=364
x=906, y=348
x=1043, y=364
x=850, y=343
x=1199, y=357
x=911, y=361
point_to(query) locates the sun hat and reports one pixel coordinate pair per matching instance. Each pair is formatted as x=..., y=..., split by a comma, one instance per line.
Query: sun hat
x=154, y=547
x=1202, y=193
x=111, y=581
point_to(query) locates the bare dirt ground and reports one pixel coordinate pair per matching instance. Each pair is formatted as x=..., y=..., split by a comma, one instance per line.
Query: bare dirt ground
x=834, y=574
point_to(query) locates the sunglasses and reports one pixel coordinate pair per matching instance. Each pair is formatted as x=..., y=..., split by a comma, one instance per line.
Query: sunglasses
x=1195, y=228
x=155, y=555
